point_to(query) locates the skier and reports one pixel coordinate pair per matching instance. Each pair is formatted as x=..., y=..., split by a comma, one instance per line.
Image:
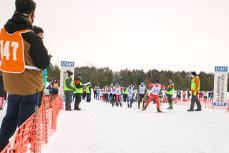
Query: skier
x=170, y=93
x=195, y=87
x=110, y=95
x=179, y=95
x=154, y=95
x=184, y=96
x=141, y=93
x=125, y=94
x=118, y=95
x=113, y=95
x=130, y=95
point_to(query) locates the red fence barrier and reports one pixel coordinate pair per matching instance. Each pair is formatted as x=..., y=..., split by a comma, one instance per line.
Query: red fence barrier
x=34, y=132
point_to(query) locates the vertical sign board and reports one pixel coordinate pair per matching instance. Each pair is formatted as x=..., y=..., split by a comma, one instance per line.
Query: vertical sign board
x=65, y=65
x=220, y=86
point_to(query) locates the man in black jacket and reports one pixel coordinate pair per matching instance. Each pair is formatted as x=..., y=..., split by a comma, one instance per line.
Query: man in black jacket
x=23, y=87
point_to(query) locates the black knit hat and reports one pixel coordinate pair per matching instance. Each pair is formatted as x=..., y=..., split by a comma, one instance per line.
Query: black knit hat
x=25, y=7
x=69, y=73
x=38, y=30
x=194, y=73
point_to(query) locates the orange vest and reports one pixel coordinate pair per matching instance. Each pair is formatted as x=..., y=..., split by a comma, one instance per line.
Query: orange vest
x=12, y=52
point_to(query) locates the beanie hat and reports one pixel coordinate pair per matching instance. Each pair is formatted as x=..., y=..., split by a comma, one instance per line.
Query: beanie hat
x=194, y=73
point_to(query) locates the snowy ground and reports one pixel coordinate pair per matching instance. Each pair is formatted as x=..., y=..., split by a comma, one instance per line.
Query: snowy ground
x=99, y=128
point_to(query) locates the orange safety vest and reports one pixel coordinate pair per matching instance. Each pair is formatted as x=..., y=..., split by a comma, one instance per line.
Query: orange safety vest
x=12, y=52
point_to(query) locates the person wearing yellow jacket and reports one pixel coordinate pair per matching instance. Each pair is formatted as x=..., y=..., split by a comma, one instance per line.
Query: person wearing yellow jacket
x=68, y=90
x=170, y=93
x=195, y=87
x=78, y=92
x=88, y=92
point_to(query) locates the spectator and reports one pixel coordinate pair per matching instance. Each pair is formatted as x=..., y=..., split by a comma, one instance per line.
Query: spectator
x=195, y=87
x=40, y=32
x=68, y=90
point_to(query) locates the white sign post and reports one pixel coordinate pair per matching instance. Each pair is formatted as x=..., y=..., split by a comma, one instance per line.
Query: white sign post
x=65, y=65
x=220, y=86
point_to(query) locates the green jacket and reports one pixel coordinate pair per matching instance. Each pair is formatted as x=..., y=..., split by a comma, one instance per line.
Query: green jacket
x=78, y=87
x=88, y=89
x=170, y=89
x=68, y=84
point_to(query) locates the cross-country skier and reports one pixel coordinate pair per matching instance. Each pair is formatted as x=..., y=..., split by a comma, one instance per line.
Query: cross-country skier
x=141, y=93
x=130, y=95
x=118, y=95
x=170, y=93
x=154, y=92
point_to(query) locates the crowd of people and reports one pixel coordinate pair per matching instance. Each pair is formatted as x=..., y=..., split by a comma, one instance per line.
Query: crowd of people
x=142, y=94
x=75, y=90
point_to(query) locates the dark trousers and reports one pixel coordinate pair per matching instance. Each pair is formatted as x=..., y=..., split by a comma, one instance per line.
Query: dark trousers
x=77, y=100
x=88, y=97
x=84, y=95
x=113, y=99
x=124, y=97
x=68, y=97
x=40, y=98
x=195, y=100
x=55, y=91
x=170, y=100
x=141, y=96
x=19, y=109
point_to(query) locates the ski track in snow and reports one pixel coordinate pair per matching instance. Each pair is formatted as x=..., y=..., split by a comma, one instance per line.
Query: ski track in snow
x=99, y=128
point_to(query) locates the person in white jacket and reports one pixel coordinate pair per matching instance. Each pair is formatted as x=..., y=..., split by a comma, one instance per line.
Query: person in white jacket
x=118, y=95
x=130, y=95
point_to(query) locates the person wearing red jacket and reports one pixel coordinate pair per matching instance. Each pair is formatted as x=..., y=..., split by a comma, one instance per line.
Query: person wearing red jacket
x=154, y=95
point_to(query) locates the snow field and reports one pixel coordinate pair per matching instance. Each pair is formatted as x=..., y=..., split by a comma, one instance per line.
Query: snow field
x=99, y=128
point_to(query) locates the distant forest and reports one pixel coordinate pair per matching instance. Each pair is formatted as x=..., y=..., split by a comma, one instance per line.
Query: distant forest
x=105, y=76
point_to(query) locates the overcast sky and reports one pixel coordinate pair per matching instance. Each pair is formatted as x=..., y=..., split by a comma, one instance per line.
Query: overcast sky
x=136, y=34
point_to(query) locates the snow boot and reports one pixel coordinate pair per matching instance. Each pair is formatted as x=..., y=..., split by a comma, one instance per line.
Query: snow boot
x=78, y=109
x=158, y=110
x=144, y=108
x=170, y=106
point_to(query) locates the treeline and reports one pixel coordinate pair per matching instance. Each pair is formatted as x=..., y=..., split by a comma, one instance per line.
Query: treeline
x=104, y=77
